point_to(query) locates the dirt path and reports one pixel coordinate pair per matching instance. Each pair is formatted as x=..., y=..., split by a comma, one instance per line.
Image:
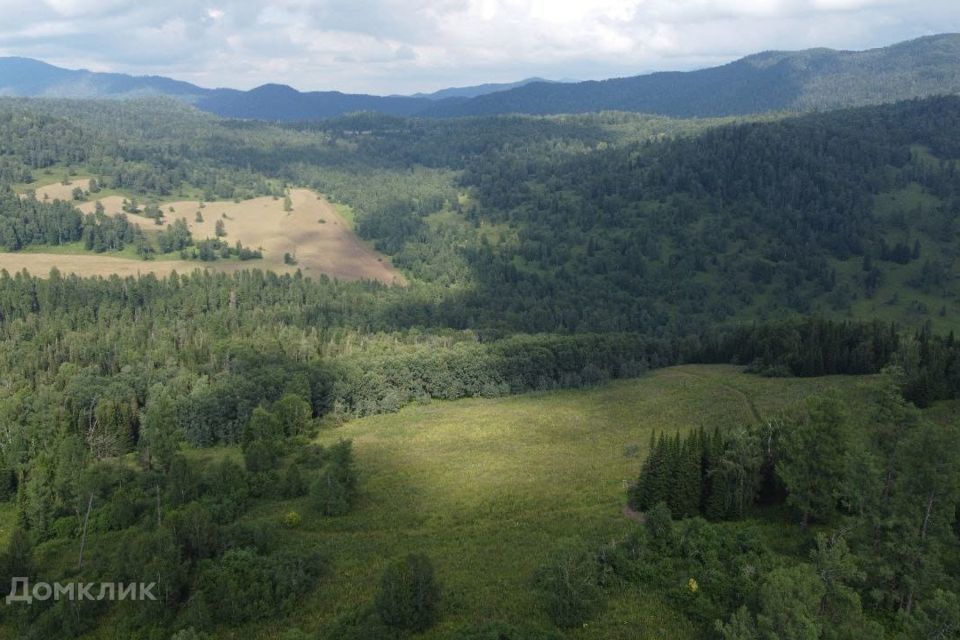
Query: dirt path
x=751, y=405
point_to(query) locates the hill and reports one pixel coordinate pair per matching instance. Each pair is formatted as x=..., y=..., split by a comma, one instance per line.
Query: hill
x=477, y=90
x=31, y=78
x=280, y=102
x=815, y=79
x=23, y=77
x=592, y=223
x=772, y=81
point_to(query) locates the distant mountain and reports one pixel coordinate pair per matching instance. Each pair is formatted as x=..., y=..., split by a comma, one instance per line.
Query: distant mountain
x=32, y=78
x=280, y=102
x=771, y=81
x=478, y=90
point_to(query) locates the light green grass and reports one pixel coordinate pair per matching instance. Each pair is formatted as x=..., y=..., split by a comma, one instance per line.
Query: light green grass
x=490, y=488
x=346, y=211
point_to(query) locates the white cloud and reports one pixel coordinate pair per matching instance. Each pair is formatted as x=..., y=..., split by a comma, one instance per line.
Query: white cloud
x=388, y=46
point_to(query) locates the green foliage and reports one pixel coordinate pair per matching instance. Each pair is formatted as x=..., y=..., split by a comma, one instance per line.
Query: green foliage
x=503, y=631
x=293, y=484
x=718, y=476
x=17, y=560
x=551, y=227
x=938, y=618
x=789, y=602
x=659, y=525
x=26, y=222
x=160, y=436
x=568, y=588
x=260, y=455
x=293, y=414
x=175, y=237
x=409, y=594
x=813, y=459
x=291, y=520
x=329, y=495
x=242, y=586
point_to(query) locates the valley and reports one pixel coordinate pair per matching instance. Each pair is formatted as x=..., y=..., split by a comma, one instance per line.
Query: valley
x=318, y=238
x=670, y=356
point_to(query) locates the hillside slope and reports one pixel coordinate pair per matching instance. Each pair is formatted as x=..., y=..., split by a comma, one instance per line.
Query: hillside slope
x=24, y=77
x=765, y=82
x=772, y=81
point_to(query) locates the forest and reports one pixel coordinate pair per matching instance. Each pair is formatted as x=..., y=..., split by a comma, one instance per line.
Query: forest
x=543, y=253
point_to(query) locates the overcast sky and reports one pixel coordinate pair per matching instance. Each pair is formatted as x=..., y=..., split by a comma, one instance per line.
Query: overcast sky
x=403, y=46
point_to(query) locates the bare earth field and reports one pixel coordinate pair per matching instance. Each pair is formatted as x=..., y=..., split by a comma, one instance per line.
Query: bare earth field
x=329, y=247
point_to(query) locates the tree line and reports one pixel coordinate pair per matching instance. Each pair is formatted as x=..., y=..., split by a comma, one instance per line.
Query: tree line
x=866, y=506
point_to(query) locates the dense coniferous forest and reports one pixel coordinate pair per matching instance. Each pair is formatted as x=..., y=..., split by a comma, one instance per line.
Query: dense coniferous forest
x=157, y=414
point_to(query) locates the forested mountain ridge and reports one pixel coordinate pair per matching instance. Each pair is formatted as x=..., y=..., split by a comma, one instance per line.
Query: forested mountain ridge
x=772, y=81
x=814, y=79
x=477, y=90
x=33, y=78
x=849, y=212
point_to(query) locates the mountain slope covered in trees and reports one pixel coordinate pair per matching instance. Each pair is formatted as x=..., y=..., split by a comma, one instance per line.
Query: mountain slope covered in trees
x=772, y=81
x=610, y=222
x=765, y=82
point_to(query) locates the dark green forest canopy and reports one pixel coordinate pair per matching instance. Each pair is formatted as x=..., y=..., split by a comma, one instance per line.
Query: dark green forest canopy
x=596, y=222
x=543, y=253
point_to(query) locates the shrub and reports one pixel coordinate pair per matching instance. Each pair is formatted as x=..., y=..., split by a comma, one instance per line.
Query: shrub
x=328, y=494
x=409, y=594
x=569, y=590
x=659, y=524
x=260, y=455
x=293, y=485
x=291, y=520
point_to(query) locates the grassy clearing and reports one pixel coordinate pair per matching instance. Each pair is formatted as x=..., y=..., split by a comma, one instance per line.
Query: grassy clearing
x=328, y=248
x=490, y=488
x=346, y=212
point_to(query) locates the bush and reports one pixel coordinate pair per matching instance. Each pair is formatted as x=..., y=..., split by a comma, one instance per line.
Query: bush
x=291, y=520
x=409, y=594
x=659, y=524
x=242, y=586
x=569, y=588
x=293, y=485
x=260, y=455
x=363, y=624
x=328, y=495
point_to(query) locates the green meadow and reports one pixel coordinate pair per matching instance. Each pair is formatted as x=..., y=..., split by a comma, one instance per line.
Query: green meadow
x=489, y=489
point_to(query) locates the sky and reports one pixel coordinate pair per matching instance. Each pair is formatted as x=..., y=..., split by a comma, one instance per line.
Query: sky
x=405, y=46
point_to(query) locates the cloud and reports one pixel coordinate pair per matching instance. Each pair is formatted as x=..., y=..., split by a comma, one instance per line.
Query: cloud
x=391, y=46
